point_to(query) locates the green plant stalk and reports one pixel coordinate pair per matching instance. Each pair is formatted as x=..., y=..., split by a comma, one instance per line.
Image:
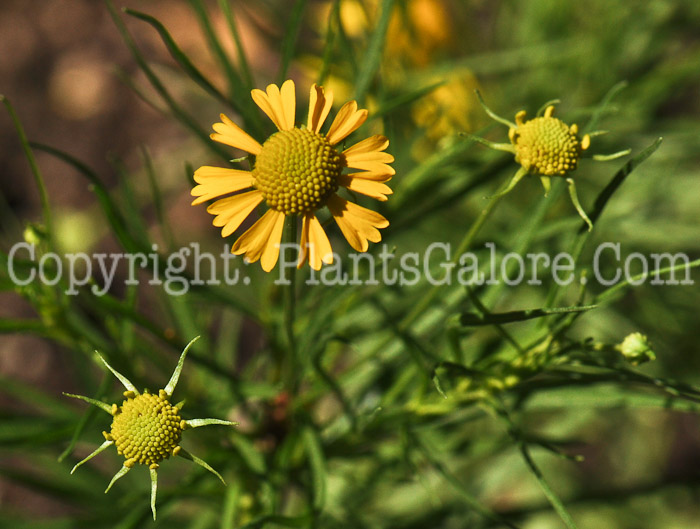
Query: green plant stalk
x=466, y=242
x=38, y=177
x=290, y=239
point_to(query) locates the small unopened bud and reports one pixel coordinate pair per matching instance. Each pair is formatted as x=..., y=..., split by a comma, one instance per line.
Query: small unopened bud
x=636, y=349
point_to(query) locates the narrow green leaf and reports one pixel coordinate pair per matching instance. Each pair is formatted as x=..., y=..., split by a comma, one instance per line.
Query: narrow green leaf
x=293, y=26
x=180, y=57
x=271, y=520
x=602, y=107
x=317, y=463
x=225, y=6
x=38, y=177
x=613, y=290
x=237, y=87
x=373, y=56
x=36, y=398
x=250, y=455
x=112, y=212
x=554, y=500
x=617, y=180
x=329, y=44
x=403, y=100
x=183, y=117
x=476, y=319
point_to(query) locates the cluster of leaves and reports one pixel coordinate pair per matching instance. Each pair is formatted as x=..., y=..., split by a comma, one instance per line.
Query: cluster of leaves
x=364, y=404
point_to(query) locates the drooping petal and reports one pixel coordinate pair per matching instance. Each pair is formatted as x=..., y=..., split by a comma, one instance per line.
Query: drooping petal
x=280, y=106
x=366, y=187
x=372, y=144
x=262, y=239
x=231, y=134
x=170, y=387
x=358, y=224
x=320, y=103
x=347, y=121
x=232, y=211
x=217, y=181
x=101, y=448
x=315, y=246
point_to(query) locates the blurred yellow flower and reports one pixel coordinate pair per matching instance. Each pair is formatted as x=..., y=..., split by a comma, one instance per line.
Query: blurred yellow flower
x=297, y=171
x=449, y=108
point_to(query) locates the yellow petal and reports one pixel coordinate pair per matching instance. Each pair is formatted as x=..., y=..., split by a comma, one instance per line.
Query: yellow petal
x=262, y=239
x=280, y=106
x=315, y=245
x=374, y=156
x=217, y=181
x=375, y=167
x=348, y=120
x=377, y=176
x=371, y=144
x=358, y=224
x=289, y=103
x=272, y=249
x=232, y=211
x=231, y=134
x=320, y=104
x=366, y=187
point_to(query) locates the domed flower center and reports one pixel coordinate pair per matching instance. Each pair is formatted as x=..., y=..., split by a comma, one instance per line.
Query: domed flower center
x=297, y=171
x=546, y=146
x=147, y=428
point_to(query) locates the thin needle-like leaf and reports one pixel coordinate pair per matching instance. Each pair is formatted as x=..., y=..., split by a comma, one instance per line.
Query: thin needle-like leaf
x=38, y=178
x=101, y=448
x=317, y=463
x=181, y=58
x=170, y=387
x=125, y=381
x=99, y=404
x=118, y=475
x=293, y=26
x=154, y=490
x=373, y=55
x=196, y=423
x=200, y=462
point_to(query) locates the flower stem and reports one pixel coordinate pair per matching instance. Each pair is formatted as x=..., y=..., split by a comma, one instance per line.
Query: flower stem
x=466, y=242
x=290, y=239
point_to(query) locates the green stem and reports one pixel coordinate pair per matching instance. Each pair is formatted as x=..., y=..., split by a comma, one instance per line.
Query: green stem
x=38, y=178
x=290, y=238
x=467, y=241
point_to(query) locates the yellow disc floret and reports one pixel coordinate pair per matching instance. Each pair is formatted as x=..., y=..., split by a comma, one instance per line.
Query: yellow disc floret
x=146, y=429
x=547, y=146
x=297, y=171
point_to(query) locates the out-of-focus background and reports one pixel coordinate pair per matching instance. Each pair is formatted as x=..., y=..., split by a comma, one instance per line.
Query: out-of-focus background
x=69, y=74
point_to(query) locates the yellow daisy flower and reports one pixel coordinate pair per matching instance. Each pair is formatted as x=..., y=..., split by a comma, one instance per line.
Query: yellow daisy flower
x=147, y=428
x=297, y=171
x=545, y=146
